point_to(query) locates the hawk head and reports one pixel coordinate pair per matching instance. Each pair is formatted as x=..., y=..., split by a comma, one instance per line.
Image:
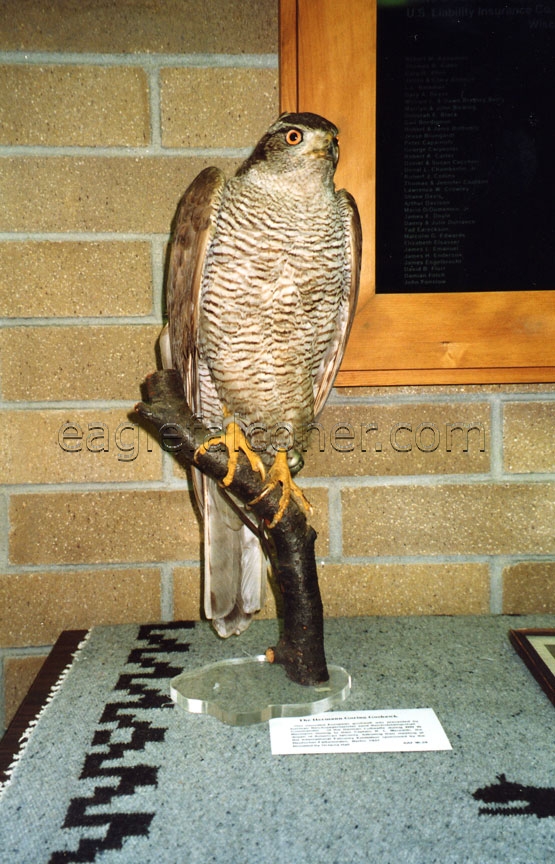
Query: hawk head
x=293, y=142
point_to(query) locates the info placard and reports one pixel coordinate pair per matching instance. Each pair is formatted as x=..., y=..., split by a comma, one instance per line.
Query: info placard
x=405, y=730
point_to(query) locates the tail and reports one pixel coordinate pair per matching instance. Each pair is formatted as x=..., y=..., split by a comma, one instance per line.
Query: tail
x=235, y=567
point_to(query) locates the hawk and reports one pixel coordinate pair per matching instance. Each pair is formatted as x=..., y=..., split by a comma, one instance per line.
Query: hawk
x=262, y=287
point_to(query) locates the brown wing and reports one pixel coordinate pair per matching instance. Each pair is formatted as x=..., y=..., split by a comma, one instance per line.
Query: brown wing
x=194, y=223
x=331, y=362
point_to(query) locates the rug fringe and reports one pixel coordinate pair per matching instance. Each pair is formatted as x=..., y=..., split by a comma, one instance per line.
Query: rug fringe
x=26, y=735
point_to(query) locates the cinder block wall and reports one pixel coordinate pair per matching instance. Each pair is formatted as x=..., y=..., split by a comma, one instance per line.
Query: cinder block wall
x=428, y=500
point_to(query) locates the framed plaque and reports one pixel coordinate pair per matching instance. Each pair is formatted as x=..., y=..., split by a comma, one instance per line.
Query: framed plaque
x=537, y=648
x=447, y=136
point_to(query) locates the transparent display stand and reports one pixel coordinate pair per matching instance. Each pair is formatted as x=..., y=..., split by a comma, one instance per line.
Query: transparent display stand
x=251, y=690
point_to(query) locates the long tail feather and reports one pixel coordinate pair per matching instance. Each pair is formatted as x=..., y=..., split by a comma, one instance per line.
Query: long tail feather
x=235, y=567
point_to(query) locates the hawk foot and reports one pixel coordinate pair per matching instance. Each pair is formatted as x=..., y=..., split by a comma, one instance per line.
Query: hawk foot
x=280, y=473
x=234, y=440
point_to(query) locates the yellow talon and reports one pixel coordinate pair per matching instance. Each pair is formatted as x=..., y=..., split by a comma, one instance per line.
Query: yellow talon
x=234, y=440
x=280, y=473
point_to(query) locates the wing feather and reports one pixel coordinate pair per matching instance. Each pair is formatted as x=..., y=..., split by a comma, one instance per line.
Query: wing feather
x=194, y=222
x=234, y=566
x=329, y=367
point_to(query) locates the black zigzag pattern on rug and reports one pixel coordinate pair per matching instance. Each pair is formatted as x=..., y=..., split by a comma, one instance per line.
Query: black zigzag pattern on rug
x=145, y=686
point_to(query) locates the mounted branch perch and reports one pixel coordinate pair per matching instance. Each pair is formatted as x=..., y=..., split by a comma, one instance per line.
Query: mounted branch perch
x=300, y=649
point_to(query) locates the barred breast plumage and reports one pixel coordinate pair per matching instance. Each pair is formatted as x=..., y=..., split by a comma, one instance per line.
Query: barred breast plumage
x=270, y=294
x=263, y=284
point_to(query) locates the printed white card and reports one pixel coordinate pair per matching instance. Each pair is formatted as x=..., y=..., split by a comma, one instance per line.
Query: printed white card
x=405, y=730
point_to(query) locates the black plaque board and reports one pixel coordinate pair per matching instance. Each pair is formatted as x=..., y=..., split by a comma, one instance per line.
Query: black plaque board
x=465, y=161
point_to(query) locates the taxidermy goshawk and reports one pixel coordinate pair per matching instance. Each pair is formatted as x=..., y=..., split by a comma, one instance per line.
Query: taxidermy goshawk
x=262, y=289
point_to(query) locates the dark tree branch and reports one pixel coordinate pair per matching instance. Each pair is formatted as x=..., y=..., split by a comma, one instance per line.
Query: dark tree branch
x=301, y=647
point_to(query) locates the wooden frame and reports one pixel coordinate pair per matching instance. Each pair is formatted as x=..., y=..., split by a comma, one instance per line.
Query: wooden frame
x=531, y=645
x=328, y=65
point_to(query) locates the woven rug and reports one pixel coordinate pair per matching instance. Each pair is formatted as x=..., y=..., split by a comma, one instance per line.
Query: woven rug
x=114, y=772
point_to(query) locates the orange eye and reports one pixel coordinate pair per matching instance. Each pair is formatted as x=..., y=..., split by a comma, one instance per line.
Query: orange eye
x=294, y=136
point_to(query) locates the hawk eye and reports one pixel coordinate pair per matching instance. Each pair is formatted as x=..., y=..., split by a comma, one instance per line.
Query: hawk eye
x=294, y=136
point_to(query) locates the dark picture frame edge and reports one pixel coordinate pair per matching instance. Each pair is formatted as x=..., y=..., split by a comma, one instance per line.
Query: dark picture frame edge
x=520, y=641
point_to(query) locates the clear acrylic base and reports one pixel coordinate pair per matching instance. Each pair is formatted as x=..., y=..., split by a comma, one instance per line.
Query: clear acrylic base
x=251, y=690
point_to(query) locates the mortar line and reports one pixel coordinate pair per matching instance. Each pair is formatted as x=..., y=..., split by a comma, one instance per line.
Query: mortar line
x=496, y=440
x=68, y=405
x=171, y=482
x=367, y=481
x=380, y=480
x=154, y=103
x=178, y=483
x=81, y=236
x=85, y=567
x=425, y=558
x=335, y=522
x=338, y=400
x=158, y=277
x=454, y=558
x=496, y=566
x=171, y=478
x=84, y=321
x=25, y=651
x=166, y=592
x=140, y=58
x=122, y=151
x=78, y=488
x=534, y=396
x=4, y=527
x=504, y=560
x=416, y=559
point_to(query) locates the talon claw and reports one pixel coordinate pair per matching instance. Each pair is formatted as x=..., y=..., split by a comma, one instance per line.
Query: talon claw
x=280, y=473
x=263, y=494
x=233, y=440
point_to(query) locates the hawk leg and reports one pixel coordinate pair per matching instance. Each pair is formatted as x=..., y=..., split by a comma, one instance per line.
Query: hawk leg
x=280, y=473
x=234, y=440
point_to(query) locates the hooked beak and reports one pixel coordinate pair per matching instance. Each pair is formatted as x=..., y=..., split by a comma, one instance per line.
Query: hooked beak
x=328, y=148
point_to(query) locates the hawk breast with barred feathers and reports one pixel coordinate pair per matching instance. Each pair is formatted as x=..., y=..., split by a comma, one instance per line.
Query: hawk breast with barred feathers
x=262, y=289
